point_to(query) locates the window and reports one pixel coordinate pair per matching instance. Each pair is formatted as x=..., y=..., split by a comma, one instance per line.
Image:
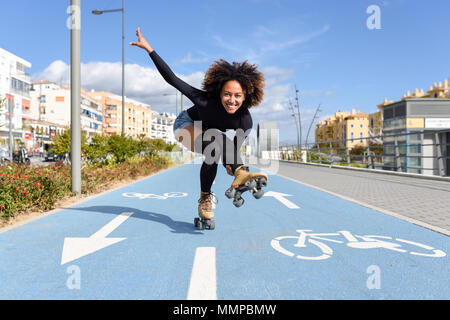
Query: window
x=361, y=137
x=352, y=137
x=360, y=125
x=351, y=126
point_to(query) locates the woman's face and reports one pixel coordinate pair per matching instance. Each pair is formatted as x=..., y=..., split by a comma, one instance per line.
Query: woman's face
x=232, y=96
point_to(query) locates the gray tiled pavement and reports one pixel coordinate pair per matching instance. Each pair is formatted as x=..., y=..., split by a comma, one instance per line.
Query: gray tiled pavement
x=415, y=199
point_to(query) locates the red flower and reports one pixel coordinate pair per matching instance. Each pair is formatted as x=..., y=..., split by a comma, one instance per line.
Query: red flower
x=25, y=191
x=2, y=206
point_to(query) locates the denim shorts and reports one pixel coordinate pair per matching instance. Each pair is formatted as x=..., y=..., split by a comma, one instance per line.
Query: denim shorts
x=183, y=120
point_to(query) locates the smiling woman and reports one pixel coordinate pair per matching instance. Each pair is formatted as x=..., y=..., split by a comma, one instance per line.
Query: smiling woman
x=229, y=91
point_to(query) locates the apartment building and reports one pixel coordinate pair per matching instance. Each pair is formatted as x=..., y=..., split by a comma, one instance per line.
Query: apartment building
x=51, y=110
x=344, y=130
x=138, y=116
x=15, y=84
x=162, y=126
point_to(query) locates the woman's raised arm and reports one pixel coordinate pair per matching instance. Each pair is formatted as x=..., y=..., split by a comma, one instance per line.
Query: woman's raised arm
x=195, y=95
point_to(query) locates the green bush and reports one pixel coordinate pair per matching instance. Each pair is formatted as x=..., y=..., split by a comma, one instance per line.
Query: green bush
x=120, y=147
x=61, y=144
x=24, y=188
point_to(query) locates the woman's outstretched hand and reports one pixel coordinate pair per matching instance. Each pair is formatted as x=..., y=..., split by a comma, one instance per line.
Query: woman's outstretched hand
x=142, y=42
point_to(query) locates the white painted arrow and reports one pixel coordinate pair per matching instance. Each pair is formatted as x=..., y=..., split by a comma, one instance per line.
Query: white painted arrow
x=75, y=248
x=280, y=197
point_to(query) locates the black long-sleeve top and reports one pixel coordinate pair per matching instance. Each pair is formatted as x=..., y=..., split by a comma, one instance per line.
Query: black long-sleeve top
x=208, y=110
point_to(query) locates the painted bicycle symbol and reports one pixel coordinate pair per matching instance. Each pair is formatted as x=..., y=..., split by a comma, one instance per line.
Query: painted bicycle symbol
x=306, y=238
x=154, y=196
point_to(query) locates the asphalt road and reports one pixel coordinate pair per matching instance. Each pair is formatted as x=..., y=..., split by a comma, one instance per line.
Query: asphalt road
x=297, y=242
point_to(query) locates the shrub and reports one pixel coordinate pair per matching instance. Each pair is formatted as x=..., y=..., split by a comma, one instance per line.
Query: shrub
x=24, y=188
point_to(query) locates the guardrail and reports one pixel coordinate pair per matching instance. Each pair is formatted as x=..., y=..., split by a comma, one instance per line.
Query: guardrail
x=420, y=151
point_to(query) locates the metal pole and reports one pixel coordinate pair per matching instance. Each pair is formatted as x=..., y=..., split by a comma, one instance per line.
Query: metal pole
x=348, y=157
x=75, y=93
x=123, y=66
x=439, y=157
x=314, y=118
x=181, y=102
x=296, y=124
x=11, y=139
x=299, y=119
x=397, y=155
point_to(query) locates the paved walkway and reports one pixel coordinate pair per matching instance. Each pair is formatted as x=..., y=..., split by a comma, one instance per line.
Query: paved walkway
x=421, y=201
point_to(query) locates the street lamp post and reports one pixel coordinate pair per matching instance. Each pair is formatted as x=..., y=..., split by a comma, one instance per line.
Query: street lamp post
x=296, y=123
x=98, y=12
x=310, y=125
x=75, y=95
x=11, y=138
x=176, y=100
x=299, y=119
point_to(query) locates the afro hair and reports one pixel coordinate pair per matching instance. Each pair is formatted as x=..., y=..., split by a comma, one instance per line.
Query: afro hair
x=251, y=80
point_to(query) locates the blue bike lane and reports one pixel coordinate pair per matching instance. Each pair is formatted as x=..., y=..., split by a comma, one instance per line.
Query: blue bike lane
x=139, y=242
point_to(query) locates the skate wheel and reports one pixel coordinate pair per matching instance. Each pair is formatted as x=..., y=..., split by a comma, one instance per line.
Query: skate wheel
x=211, y=225
x=196, y=221
x=200, y=225
x=262, y=182
x=258, y=194
x=238, y=202
x=230, y=193
x=250, y=184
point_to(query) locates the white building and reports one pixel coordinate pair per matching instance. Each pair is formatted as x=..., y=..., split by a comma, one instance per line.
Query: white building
x=50, y=102
x=15, y=86
x=162, y=126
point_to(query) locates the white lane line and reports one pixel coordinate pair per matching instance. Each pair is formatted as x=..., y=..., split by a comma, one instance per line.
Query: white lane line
x=203, y=277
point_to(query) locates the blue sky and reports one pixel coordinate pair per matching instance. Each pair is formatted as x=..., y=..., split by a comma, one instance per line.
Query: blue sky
x=324, y=47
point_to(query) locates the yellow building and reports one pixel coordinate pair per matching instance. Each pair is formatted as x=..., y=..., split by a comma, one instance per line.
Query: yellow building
x=437, y=90
x=331, y=129
x=138, y=117
x=344, y=130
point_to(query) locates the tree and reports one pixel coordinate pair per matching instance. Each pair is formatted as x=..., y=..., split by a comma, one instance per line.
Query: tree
x=62, y=143
x=98, y=148
x=122, y=147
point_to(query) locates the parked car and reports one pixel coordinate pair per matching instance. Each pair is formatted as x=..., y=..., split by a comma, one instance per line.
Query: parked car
x=49, y=156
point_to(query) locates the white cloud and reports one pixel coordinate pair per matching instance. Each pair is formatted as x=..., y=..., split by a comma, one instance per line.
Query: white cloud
x=146, y=85
x=318, y=93
x=279, y=46
x=142, y=84
x=58, y=71
x=264, y=42
x=190, y=59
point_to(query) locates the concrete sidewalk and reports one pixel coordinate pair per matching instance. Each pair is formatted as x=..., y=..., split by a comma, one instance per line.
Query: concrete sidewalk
x=420, y=201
